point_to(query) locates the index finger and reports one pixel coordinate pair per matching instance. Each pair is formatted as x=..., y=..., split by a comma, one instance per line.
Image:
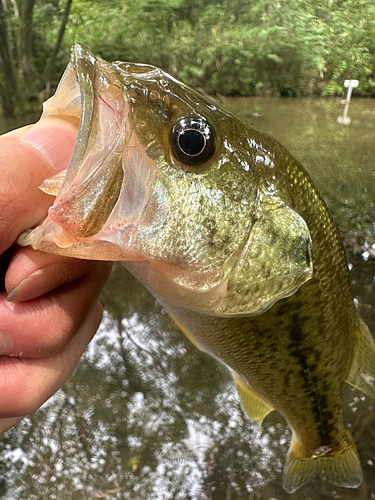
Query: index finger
x=28, y=157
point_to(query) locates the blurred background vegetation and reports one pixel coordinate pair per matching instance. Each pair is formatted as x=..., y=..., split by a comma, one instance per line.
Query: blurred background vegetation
x=229, y=47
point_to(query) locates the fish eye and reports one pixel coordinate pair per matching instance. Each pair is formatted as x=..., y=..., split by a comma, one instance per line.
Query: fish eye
x=192, y=141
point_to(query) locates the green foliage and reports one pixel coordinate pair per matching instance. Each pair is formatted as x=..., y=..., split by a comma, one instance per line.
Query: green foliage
x=237, y=47
x=230, y=47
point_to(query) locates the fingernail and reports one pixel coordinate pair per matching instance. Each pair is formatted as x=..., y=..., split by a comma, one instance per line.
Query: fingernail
x=45, y=280
x=25, y=287
x=54, y=138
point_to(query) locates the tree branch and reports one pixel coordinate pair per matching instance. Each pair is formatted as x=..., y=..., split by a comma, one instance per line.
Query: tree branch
x=48, y=70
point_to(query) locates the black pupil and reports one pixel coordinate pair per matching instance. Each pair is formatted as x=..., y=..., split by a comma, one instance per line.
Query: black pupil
x=191, y=142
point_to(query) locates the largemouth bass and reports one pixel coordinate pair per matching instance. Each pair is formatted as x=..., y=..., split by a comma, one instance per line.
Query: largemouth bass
x=228, y=232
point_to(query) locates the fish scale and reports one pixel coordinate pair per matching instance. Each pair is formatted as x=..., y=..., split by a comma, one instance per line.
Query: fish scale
x=232, y=238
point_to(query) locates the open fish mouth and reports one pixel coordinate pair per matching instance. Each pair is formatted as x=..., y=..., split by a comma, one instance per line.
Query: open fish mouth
x=126, y=196
x=93, y=196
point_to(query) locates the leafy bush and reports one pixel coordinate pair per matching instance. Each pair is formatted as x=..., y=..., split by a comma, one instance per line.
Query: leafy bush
x=230, y=47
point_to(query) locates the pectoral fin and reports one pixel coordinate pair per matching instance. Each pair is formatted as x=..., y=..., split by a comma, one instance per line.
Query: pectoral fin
x=362, y=373
x=253, y=404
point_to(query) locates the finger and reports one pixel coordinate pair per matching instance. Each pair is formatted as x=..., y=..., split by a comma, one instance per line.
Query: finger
x=26, y=160
x=25, y=384
x=8, y=423
x=4, y=262
x=31, y=274
x=43, y=326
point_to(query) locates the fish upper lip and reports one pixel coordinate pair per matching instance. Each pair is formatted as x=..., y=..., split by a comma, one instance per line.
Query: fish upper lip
x=106, y=136
x=94, y=177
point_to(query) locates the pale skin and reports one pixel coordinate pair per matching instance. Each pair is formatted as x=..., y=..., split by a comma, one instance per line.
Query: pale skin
x=47, y=322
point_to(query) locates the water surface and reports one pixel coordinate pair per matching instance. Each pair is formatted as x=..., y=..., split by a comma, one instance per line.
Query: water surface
x=148, y=417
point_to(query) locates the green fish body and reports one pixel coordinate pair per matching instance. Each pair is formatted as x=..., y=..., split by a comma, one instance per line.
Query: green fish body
x=228, y=232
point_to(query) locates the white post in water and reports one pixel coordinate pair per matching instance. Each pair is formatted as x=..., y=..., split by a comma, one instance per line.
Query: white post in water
x=350, y=85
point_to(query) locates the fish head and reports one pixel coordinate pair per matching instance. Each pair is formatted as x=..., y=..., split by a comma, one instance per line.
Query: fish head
x=180, y=190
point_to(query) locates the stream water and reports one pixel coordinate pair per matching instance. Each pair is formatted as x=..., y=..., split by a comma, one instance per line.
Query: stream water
x=146, y=415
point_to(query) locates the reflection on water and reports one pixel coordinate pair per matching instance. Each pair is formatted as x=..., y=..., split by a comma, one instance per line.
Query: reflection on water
x=147, y=416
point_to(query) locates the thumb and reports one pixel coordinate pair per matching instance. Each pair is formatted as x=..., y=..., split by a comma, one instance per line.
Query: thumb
x=28, y=157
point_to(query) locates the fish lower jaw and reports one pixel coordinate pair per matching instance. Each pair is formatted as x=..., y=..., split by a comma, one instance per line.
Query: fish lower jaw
x=110, y=244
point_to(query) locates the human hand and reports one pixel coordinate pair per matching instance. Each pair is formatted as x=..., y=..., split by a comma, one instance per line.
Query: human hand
x=52, y=311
